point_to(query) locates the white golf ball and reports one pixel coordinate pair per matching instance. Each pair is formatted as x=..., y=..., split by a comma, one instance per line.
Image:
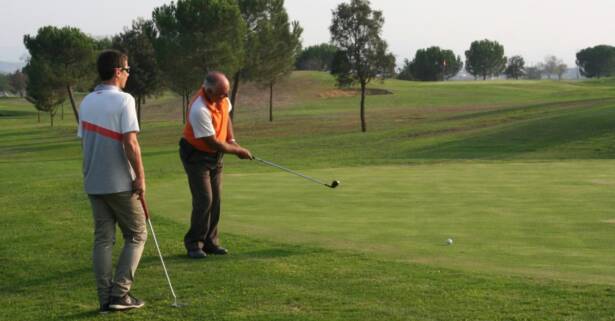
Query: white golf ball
x=449, y=241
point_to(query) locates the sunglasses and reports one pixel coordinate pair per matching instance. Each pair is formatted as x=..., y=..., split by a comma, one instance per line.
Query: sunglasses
x=126, y=69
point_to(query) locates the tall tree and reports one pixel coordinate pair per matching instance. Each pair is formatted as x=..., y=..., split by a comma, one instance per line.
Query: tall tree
x=145, y=75
x=356, y=30
x=432, y=64
x=485, y=58
x=68, y=53
x=278, y=43
x=515, y=68
x=44, y=90
x=598, y=61
x=197, y=36
x=318, y=57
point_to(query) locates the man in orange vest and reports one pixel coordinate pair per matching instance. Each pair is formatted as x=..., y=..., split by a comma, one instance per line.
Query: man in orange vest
x=208, y=135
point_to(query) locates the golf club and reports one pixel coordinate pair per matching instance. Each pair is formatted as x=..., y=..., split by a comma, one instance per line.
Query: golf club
x=164, y=267
x=333, y=184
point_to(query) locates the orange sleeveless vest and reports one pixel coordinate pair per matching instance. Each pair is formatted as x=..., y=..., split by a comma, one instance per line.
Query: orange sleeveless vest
x=219, y=118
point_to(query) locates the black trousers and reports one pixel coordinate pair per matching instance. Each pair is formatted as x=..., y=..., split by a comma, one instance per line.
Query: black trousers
x=204, y=173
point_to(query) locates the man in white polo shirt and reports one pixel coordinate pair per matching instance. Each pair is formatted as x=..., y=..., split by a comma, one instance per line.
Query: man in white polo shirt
x=114, y=180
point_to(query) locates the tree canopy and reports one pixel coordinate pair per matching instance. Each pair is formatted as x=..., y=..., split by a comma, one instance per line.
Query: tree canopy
x=197, y=36
x=598, y=61
x=432, y=64
x=66, y=55
x=485, y=58
x=515, y=68
x=44, y=90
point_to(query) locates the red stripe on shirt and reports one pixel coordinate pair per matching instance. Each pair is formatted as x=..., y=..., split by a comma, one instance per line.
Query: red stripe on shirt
x=102, y=131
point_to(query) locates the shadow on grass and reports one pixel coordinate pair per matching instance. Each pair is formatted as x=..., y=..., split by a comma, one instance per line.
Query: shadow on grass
x=15, y=113
x=264, y=254
x=21, y=285
x=547, y=135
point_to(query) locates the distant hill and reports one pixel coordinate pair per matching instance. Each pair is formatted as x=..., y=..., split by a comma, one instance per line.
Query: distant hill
x=9, y=67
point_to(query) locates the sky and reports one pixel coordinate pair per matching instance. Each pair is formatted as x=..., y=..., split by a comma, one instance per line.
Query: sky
x=530, y=28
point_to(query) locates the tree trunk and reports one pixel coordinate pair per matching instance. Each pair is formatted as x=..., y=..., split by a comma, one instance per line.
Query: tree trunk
x=363, y=126
x=62, y=114
x=72, y=103
x=51, y=118
x=38, y=115
x=271, y=101
x=234, y=93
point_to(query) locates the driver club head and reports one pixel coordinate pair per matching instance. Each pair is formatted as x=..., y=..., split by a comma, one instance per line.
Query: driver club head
x=334, y=184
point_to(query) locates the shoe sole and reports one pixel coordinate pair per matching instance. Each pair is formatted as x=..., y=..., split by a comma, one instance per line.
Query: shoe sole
x=117, y=307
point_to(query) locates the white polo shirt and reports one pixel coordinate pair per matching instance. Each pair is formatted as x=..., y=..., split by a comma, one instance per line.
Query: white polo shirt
x=105, y=115
x=200, y=118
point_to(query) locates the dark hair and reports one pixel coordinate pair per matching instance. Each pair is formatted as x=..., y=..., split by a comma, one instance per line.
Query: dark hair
x=107, y=61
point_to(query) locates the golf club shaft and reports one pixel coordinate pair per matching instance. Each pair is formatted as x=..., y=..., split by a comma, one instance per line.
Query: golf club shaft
x=164, y=267
x=289, y=170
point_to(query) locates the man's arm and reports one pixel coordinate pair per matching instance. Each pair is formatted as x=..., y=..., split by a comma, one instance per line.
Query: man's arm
x=230, y=135
x=225, y=147
x=133, y=153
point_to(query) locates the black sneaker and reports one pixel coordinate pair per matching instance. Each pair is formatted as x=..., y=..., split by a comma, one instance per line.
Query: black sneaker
x=126, y=302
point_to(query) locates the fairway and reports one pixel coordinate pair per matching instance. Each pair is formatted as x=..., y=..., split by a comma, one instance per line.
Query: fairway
x=534, y=219
x=520, y=174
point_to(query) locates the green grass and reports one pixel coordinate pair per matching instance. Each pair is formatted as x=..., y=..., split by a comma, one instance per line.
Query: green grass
x=519, y=174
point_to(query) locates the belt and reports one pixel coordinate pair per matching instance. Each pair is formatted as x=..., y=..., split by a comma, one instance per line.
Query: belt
x=183, y=143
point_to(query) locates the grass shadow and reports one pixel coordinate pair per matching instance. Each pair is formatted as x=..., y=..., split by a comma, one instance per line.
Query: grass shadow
x=546, y=135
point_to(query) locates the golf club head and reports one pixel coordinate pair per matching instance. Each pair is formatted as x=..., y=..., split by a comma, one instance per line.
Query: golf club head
x=334, y=184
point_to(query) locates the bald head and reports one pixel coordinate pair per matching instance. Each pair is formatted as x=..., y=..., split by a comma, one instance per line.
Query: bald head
x=216, y=85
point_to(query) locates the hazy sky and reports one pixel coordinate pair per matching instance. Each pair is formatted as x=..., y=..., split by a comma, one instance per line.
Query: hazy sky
x=531, y=28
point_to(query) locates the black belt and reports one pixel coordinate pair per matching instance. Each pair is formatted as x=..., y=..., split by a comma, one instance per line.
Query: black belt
x=189, y=152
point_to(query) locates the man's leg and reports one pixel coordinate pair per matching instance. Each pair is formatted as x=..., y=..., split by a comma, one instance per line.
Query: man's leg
x=104, y=239
x=131, y=219
x=211, y=241
x=201, y=190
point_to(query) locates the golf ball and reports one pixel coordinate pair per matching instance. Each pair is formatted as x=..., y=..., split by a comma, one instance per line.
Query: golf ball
x=449, y=241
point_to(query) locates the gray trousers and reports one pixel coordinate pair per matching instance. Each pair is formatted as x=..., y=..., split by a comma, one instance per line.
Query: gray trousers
x=205, y=180
x=125, y=210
